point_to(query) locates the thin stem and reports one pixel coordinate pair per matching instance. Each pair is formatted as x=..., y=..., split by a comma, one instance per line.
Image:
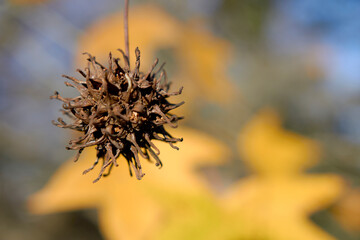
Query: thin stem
x=126, y=28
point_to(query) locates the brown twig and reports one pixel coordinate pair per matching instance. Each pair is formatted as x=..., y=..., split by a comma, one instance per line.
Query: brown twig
x=126, y=28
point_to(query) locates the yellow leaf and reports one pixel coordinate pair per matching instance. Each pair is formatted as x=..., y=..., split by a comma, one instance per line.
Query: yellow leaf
x=149, y=29
x=128, y=208
x=201, y=59
x=205, y=59
x=270, y=150
x=347, y=210
x=277, y=199
x=198, y=216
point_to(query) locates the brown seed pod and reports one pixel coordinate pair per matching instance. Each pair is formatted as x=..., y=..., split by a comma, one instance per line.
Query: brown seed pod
x=120, y=112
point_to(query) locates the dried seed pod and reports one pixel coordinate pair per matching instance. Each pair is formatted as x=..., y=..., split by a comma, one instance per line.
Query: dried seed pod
x=120, y=112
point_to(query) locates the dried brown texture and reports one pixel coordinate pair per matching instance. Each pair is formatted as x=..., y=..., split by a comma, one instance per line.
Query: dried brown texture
x=120, y=112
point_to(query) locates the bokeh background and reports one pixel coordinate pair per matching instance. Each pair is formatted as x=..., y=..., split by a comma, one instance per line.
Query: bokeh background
x=275, y=83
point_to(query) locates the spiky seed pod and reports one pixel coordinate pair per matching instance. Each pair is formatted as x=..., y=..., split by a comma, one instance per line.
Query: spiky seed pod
x=120, y=112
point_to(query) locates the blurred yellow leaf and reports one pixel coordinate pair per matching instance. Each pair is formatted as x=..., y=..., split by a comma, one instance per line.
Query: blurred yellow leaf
x=200, y=217
x=277, y=199
x=274, y=152
x=347, y=210
x=149, y=29
x=128, y=208
x=201, y=59
x=205, y=59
